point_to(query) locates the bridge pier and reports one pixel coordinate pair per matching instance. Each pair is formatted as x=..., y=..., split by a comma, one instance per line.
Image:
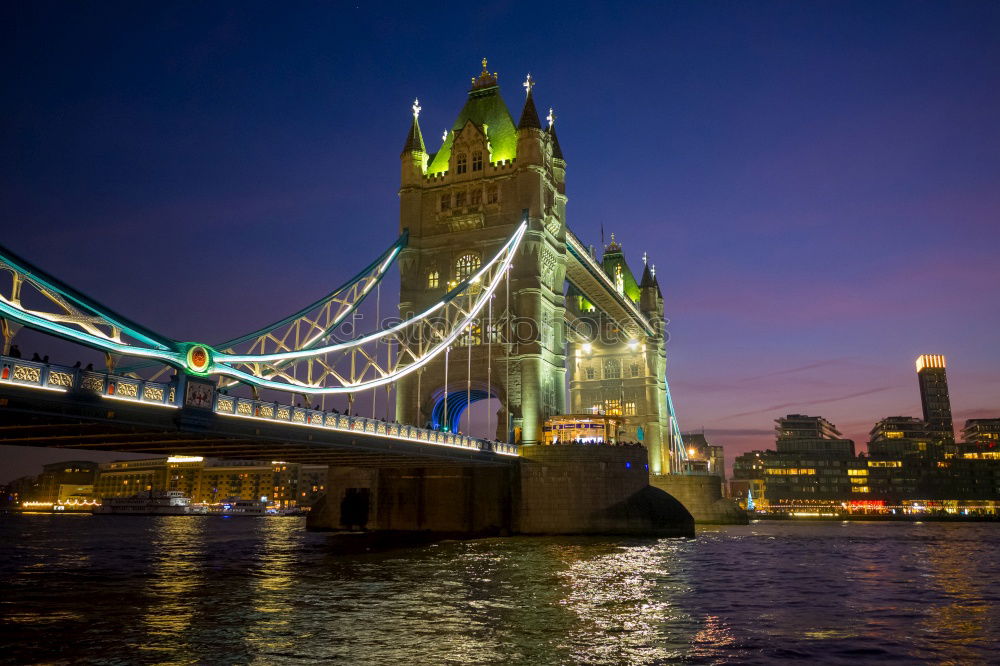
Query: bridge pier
x=571, y=489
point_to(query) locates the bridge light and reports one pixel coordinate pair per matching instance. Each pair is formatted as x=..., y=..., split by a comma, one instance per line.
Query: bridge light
x=633, y=344
x=587, y=348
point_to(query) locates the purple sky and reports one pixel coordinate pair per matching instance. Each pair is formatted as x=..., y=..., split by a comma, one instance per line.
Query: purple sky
x=817, y=183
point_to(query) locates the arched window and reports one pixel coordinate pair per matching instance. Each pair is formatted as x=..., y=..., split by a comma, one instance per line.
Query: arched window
x=433, y=278
x=461, y=163
x=466, y=265
x=612, y=369
x=591, y=373
x=477, y=160
x=634, y=369
x=492, y=195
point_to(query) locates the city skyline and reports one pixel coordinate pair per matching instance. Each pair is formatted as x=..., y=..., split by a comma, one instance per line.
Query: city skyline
x=792, y=220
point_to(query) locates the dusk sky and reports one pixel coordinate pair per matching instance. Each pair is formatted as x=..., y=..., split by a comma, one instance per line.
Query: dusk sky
x=818, y=183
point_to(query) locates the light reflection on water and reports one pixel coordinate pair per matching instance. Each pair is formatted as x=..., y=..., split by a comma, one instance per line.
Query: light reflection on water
x=262, y=590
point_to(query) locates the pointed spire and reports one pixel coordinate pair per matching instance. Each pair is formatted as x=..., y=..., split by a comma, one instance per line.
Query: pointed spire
x=529, y=115
x=414, y=140
x=647, y=276
x=556, y=148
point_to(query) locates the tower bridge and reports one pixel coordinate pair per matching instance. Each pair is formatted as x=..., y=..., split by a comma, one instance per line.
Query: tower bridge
x=498, y=299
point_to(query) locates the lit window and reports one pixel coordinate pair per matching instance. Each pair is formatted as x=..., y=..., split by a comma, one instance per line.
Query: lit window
x=459, y=199
x=492, y=195
x=445, y=201
x=466, y=265
x=476, y=197
x=629, y=409
x=477, y=160
x=432, y=280
x=619, y=280
x=612, y=369
x=613, y=407
x=461, y=163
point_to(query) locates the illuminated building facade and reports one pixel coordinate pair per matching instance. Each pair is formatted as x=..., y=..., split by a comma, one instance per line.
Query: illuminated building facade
x=212, y=481
x=898, y=436
x=62, y=480
x=935, y=401
x=582, y=429
x=620, y=377
x=459, y=205
x=703, y=457
x=981, y=439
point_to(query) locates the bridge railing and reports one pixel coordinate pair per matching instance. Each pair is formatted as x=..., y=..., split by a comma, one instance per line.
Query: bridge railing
x=277, y=412
x=64, y=379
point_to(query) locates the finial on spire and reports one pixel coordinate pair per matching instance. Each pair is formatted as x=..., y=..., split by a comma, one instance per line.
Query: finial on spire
x=551, y=118
x=645, y=259
x=652, y=270
x=444, y=136
x=485, y=79
x=528, y=84
x=612, y=237
x=416, y=108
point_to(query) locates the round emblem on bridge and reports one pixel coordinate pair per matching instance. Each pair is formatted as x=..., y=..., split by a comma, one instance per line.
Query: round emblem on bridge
x=198, y=359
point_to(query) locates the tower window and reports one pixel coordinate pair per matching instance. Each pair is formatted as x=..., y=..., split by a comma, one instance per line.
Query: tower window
x=634, y=369
x=629, y=409
x=459, y=199
x=461, y=163
x=476, y=197
x=433, y=278
x=492, y=195
x=591, y=373
x=612, y=369
x=466, y=265
x=477, y=160
x=445, y=202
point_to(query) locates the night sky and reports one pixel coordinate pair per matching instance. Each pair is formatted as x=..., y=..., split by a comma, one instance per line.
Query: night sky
x=817, y=183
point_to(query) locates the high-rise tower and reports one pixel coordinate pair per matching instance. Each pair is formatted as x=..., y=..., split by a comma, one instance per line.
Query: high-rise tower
x=934, y=398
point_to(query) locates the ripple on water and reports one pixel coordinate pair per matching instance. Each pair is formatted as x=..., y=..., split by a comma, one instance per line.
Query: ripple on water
x=205, y=590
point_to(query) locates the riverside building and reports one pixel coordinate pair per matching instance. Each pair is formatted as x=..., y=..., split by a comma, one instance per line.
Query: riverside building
x=911, y=465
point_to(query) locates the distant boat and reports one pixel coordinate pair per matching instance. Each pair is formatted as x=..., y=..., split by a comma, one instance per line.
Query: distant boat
x=151, y=503
x=241, y=507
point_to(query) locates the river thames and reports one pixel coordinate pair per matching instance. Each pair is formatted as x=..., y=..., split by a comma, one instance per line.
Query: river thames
x=179, y=590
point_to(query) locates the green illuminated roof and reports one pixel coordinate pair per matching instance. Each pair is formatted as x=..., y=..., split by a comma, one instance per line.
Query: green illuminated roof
x=484, y=107
x=613, y=258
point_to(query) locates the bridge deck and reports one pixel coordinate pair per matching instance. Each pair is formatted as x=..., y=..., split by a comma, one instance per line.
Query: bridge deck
x=53, y=406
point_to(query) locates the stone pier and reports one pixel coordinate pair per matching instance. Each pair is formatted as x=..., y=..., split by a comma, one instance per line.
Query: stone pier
x=702, y=496
x=550, y=490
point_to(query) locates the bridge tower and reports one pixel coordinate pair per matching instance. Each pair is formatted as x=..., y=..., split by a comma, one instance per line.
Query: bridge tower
x=460, y=204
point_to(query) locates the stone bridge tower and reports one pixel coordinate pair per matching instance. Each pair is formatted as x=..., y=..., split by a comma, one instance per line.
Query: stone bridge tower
x=460, y=204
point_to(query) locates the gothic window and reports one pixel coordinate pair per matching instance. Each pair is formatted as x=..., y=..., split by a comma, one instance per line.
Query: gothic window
x=459, y=199
x=613, y=407
x=466, y=265
x=477, y=160
x=619, y=279
x=629, y=409
x=476, y=197
x=492, y=195
x=634, y=369
x=461, y=163
x=433, y=278
x=591, y=373
x=445, y=201
x=612, y=369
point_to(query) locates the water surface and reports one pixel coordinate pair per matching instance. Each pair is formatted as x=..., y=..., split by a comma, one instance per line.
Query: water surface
x=179, y=590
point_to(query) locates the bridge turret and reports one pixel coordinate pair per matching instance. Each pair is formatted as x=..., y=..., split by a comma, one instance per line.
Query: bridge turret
x=650, y=298
x=531, y=139
x=414, y=156
x=558, y=161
